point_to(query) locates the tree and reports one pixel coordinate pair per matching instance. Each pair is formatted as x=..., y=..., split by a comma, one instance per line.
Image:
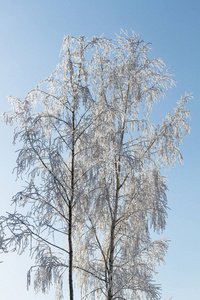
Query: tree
x=94, y=161
x=52, y=126
x=129, y=196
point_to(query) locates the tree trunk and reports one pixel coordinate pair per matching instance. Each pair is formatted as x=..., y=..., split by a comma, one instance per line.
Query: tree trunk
x=111, y=260
x=70, y=253
x=71, y=292
x=112, y=235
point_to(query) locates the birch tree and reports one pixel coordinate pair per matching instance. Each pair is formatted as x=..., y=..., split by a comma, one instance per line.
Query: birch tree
x=52, y=127
x=129, y=200
x=94, y=158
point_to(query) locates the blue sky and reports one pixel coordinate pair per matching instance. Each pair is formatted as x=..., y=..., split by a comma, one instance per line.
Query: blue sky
x=31, y=34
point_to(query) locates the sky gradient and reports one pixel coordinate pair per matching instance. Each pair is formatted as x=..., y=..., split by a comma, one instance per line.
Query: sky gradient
x=31, y=34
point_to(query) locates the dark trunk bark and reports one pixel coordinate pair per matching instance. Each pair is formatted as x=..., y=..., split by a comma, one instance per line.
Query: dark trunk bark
x=70, y=254
x=111, y=258
x=71, y=292
x=112, y=235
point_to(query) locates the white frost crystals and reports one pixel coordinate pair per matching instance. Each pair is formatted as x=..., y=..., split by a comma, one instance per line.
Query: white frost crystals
x=94, y=161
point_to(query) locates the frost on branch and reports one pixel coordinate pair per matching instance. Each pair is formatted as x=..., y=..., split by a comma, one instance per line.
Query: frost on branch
x=93, y=163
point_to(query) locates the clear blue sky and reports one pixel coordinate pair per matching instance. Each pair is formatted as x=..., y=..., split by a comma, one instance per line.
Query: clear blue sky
x=31, y=34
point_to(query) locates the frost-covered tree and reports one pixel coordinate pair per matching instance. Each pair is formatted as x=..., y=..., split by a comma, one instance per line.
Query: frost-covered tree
x=52, y=127
x=94, y=160
x=127, y=195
